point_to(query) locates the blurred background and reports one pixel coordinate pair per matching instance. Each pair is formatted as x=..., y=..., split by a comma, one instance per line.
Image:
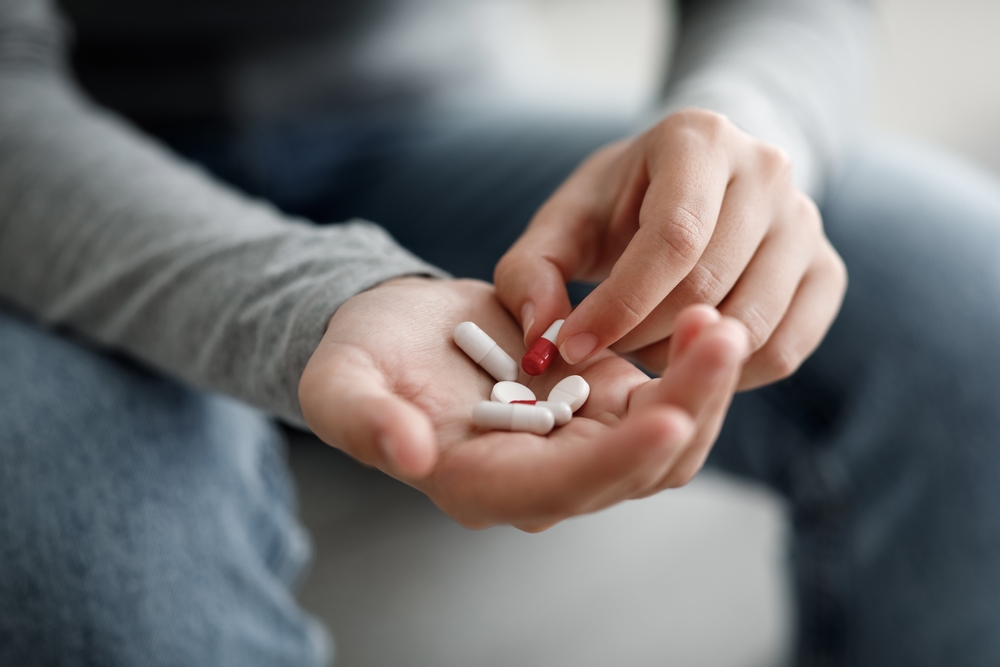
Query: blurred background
x=690, y=577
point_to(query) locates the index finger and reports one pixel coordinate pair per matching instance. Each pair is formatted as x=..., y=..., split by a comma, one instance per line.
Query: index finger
x=676, y=221
x=561, y=240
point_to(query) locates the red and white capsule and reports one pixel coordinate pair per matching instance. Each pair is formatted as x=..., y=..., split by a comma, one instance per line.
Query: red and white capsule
x=543, y=351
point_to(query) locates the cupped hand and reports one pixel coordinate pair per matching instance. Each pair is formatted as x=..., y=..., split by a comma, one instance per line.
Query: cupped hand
x=693, y=211
x=388, y=386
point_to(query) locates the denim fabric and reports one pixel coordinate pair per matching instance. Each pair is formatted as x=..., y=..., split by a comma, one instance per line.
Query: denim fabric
x=886, y=440
x=141, y=522
x=883, y=443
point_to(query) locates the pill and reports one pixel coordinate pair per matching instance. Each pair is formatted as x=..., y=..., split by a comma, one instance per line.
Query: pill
x=508, y=392
x=484, y=351
x=543, y=351
x=508, y=417
x=561, y=411
x=573, y=390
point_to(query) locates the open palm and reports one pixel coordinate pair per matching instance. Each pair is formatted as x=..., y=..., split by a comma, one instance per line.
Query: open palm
x=388, y=386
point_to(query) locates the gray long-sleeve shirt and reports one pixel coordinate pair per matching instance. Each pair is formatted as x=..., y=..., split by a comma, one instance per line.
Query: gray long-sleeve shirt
x=105, y=231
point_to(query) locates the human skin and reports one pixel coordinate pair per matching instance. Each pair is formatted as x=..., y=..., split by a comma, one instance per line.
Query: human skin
x=692, y=211
x=388, y=386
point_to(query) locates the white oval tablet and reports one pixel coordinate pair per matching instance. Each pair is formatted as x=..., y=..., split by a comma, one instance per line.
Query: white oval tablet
x=508, y=392
x=504, y=417
x=573, y=390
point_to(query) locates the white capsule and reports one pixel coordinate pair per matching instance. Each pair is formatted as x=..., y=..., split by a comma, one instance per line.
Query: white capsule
x=553, y=331
x=573, y=390
x=506, y=417
x=508, y=392
x=484, y=351
x=561, y=411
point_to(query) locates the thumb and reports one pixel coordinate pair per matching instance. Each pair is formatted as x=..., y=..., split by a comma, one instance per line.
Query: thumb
x=531, y=279
x=347, y=402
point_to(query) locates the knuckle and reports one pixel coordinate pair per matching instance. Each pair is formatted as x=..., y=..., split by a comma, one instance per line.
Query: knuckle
x=682, y=234
x=781, y=361
x=701, y=118
x=504, y=269
x=703, y=285
x=807, y=207
x=758, y=326
x=630, y=309
x=807, y=212
x=837, y=267
x=697, y=125
x=774, y=162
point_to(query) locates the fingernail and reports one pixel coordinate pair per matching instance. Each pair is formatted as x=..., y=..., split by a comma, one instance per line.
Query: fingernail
x=527, y=318
x=578, y=347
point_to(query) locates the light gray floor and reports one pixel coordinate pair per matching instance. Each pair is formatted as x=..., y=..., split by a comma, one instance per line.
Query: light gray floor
x=691, y=577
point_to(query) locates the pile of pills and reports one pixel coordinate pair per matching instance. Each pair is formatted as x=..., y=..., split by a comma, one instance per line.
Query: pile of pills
x=513, y=406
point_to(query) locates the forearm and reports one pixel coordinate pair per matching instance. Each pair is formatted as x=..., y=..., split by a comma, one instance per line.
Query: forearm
x=105, y=232
x=794, y=73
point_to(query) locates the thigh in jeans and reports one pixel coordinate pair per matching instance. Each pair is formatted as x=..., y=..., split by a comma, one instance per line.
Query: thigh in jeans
x=141, y=522
x=887, y=440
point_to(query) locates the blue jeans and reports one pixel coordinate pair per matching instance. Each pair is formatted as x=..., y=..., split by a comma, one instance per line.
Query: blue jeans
x=141, y=522
x=144, y=522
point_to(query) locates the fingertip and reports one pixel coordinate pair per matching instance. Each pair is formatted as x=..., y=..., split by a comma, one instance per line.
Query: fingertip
x=738, y=335
x=691, y=321
x=700, y=313
x=712, y=359
x=417, y=460
x=550, y=302
x=532, y=288
x=657, y=424
x=535, y=527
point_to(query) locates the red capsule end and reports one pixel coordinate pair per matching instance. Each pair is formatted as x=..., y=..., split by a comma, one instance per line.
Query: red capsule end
x=523, y=402
x=539, y=357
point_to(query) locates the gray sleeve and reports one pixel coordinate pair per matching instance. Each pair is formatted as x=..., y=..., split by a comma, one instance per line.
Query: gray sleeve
x=105, y=232
x=792, y=72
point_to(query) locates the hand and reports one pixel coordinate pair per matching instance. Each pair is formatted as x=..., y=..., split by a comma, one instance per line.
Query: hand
x=693, y=211
x=389, y=387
